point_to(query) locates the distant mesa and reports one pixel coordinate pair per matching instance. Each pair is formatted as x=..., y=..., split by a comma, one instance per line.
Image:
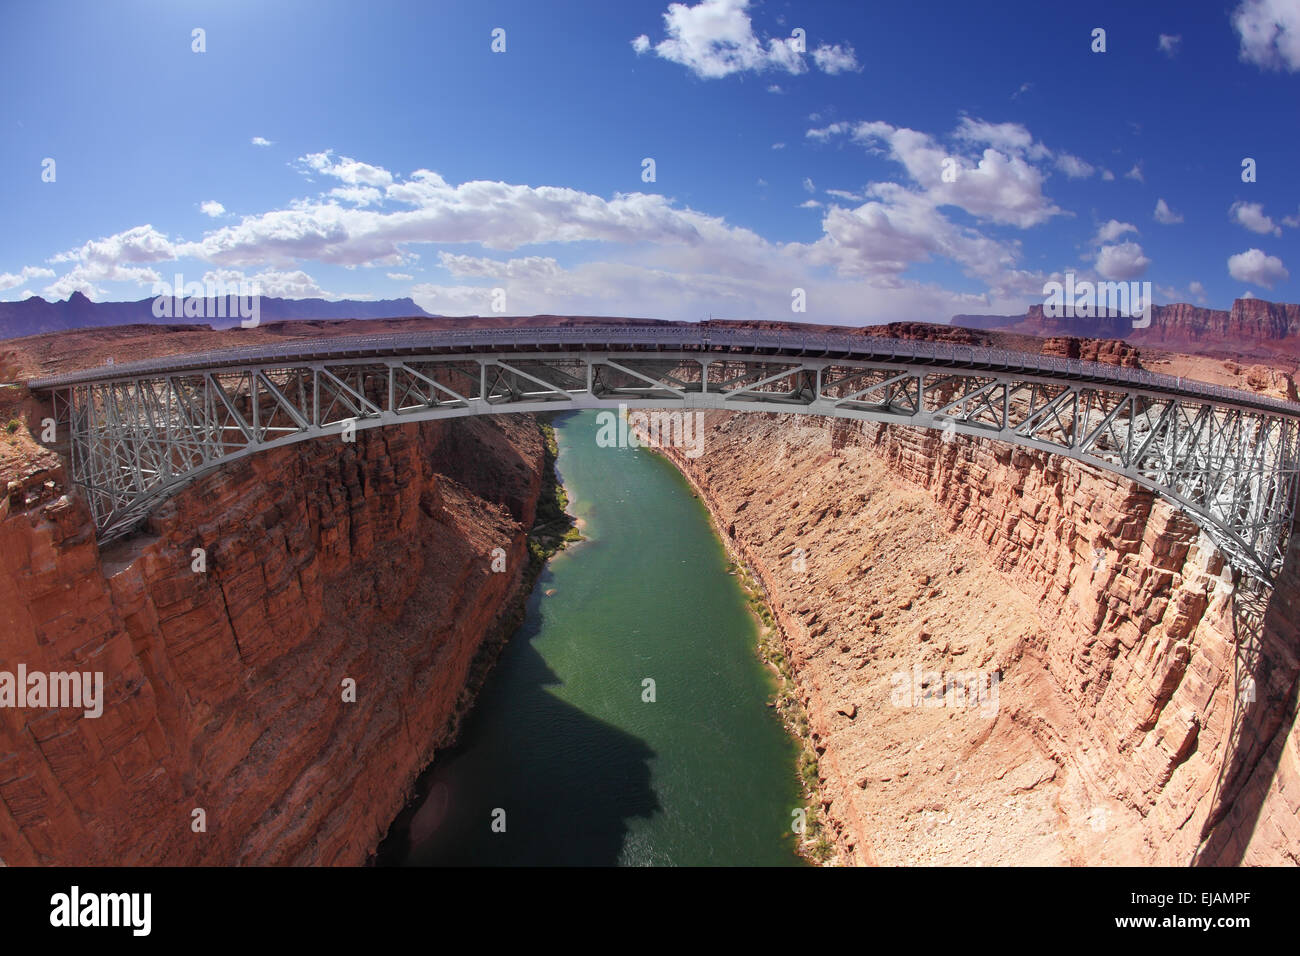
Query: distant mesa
x=1250, y=322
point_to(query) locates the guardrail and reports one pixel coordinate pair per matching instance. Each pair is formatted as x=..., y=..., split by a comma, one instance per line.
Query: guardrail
x=860, y=345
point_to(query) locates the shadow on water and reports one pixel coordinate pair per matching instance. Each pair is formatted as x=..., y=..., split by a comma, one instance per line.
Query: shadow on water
x=568, y=792
x=1266, y=690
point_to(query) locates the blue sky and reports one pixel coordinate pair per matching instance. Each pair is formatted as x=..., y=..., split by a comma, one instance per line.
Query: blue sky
x=384, y=149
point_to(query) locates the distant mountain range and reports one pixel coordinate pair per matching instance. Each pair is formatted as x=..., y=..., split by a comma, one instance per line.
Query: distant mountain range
x=35, y=315
x=1250, y=325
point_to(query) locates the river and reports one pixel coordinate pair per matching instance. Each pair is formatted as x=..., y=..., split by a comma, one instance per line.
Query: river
x=563, y=759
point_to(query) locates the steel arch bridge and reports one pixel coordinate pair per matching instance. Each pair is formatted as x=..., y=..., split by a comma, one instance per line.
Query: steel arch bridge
x=141, y=430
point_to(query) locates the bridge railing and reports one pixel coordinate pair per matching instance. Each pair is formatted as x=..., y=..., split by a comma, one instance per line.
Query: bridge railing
x=792, y=340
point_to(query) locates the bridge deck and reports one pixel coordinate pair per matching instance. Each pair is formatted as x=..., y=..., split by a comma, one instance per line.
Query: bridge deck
x=791, y=343
x=140, y=430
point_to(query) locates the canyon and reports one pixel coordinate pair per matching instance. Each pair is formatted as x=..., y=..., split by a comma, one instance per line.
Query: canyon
x=1145, y=705
x=227, y=689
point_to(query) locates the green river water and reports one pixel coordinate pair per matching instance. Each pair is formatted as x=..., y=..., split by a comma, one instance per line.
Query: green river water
x=560, y=738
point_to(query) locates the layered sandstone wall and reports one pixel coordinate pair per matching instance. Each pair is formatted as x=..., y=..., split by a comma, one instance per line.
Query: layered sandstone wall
x=1180, y=324
x=1124, y=726
x=224, y=688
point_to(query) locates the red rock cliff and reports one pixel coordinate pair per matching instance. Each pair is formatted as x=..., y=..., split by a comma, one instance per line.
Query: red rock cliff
x=1250, y=322
x=224, y=689
x=1126, y=730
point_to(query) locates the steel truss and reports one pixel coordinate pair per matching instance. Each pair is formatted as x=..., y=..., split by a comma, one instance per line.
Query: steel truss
x=141, y=431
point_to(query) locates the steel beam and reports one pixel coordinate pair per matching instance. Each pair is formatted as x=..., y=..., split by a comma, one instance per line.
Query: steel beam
x=139, y=431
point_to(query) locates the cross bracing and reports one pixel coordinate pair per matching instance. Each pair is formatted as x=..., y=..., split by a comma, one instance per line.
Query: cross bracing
x=141, y=430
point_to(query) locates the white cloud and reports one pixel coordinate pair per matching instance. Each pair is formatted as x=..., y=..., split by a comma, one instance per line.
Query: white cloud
x=1251, y=215
x=527, y=267
x=261, y=141
x=997, y=187
x=1169, y=44
x=460, y=300
x=656, y=258
x=137, y=244
x=778, y=145
x=1010, y=138
x=1197, y=290
x=1270, y=33
x=716, y=38
x=833, y=58
x=111, y=259
x=1107, y=175
x=897, y=228
x=400, y=276
x=843, y=194
x=774, y=88
x=358, y=195
x=736, y=273
x=498, y=215
x=348, y=170
x=1255, y=267
x=669, y=288
x=82, y=279
x=810, y=204
x=808, y=185
x=1165, y=215
x=69, y=283
x=271, y=282
x=211, y=207
x=1074, y=167
x=1135, y=173
x=1112, y=230
x=11, y=280
x=1123, y=261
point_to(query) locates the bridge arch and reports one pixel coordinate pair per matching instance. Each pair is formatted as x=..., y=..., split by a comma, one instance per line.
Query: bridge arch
x=140, y=431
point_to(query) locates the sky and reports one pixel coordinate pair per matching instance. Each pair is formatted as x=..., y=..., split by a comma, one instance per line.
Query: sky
x=869, y=162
